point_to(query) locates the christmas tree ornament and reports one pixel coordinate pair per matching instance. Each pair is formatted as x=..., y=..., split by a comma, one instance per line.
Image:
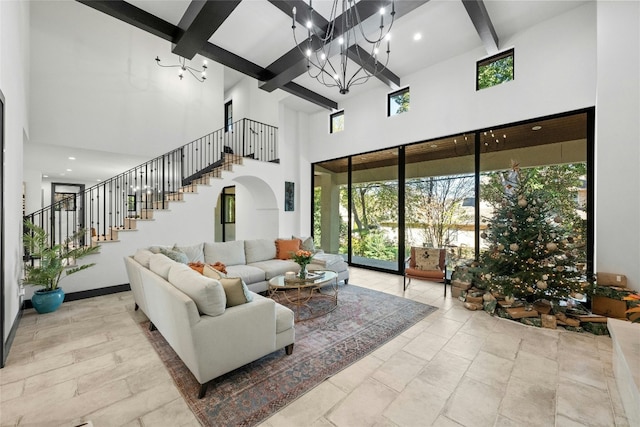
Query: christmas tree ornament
x=551, y=246
x=500, y=247
x=522, y=202
x=540, y=284
x=514, y=247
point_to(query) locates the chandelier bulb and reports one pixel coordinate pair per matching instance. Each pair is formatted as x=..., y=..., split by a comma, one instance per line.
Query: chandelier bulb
x=204, y=64
x=323, y=56
x=341, y=40
x=309, y=24
x=308, y=53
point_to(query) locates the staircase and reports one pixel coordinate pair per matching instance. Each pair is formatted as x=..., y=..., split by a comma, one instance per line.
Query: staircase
x=118, y=205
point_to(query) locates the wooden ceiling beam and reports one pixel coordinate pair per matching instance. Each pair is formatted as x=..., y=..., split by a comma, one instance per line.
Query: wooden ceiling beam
x=481, y=20
x=199, y=22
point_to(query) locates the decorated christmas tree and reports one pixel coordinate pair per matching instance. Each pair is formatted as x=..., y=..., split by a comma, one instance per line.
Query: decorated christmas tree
x=531, y=253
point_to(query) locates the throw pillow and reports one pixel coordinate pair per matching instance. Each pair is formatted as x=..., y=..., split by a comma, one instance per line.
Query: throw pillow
x=142, y=256
x=427, y=259
x=177, y=256
x=286, y=248
x=197, y=266
x=306, y=244
x=206, y=293
x=160, y=265
x=195, y=253
x=233, y=289
x=211, y=272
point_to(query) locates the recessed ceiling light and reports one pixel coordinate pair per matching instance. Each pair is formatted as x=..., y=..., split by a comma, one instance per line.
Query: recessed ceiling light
x=72, y=158
x=417, y=36
x=69, y=170
x=536, y=127
x=99, y=180
x=45, y=176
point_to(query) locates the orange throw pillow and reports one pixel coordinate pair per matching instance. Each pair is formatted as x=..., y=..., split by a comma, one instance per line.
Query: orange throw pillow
x=286, y=248
x=199, y=267
x=220, y=267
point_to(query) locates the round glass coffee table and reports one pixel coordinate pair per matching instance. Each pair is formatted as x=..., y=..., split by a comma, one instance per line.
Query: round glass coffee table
x=309, y=298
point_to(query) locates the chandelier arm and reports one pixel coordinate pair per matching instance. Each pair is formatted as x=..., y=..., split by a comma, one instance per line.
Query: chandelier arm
x=381, y=28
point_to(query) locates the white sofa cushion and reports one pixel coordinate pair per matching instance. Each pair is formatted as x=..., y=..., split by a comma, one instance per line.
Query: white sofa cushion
x=160, y=265
x=259, y=250
x=207, y=293
x=326, y=260
x=228, y=253
x=284, y=315
x=142, y=256
x=195, y=253
x=276, y=267
x=248, y=273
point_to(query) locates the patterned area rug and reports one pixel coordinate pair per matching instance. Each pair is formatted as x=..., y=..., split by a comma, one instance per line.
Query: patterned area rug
x=363, y=321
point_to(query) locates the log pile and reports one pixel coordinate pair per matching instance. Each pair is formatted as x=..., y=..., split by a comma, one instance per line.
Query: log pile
x=541, y=313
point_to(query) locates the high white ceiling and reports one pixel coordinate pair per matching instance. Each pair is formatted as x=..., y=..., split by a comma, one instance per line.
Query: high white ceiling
x=261, y=33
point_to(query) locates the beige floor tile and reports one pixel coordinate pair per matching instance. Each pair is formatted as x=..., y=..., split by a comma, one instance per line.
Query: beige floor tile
x=120, y=370
x=387, y=351
x=11, y=390
x=529, y=404
x=480, y=324
x=502, y=345
x=584, y=404
x=540, y=344
x=21, y=408
x=464, y=345
x=399, y=370
x=474, y=404
x=71, y=345
x=134, y=406
x=445, y=370
x=363, y=406
x=420, y=403
x=151, y=376
x=309, y=407
x=79, y=406
x=614, y=394
x=352, y=376
x=443, y=421
x=174, y=413
x=536, y=369
x=583, y=369
x=14, y=372
x=562, y=421
x=490, y=369
x=110, y=346
x=426, y=345
x=460, y=314
x=68, y=372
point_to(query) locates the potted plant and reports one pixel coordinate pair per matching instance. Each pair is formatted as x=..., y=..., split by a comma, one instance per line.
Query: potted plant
x=52, y=263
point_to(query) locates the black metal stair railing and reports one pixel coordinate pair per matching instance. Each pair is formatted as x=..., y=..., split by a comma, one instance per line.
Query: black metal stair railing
x=115, y=204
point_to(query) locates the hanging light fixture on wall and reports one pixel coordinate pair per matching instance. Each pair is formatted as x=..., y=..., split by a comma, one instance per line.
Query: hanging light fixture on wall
x=321, y=47
x=183, y=68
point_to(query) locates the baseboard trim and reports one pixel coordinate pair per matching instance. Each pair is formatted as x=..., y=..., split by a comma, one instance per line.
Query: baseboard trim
x=10, y=337
x=91, y=293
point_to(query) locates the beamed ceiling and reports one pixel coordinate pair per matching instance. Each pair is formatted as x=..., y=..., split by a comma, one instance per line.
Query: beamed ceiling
x=253, y=37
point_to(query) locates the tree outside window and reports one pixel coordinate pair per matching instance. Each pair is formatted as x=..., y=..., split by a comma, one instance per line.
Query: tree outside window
x=495, y=70
x=398, y=102
x=336, y=122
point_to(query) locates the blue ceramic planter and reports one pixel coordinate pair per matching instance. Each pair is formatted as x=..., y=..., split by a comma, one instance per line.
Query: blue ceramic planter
x=47, y=301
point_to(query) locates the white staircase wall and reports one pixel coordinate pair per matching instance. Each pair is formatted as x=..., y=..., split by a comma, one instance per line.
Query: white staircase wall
x=259, y=203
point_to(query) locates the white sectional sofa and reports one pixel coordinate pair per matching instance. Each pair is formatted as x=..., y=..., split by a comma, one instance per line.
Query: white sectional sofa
x=190, y=311
x=255, y=260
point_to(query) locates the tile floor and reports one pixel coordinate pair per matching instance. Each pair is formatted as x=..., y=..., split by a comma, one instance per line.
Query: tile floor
x=91, y=361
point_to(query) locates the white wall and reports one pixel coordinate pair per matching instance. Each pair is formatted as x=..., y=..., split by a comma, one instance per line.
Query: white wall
x=618, y=140
x=14, y=67
x=251, y=102
x=555, y=65
x=97, y=86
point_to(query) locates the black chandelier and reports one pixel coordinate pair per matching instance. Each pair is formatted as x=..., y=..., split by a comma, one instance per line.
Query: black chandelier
x=342, y=37
x=183, y=67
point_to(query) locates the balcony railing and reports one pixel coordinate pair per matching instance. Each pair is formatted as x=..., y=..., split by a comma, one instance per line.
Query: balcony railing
x=112, y=205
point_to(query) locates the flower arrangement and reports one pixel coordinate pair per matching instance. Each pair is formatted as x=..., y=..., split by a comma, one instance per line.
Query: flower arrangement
x=302, y=258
